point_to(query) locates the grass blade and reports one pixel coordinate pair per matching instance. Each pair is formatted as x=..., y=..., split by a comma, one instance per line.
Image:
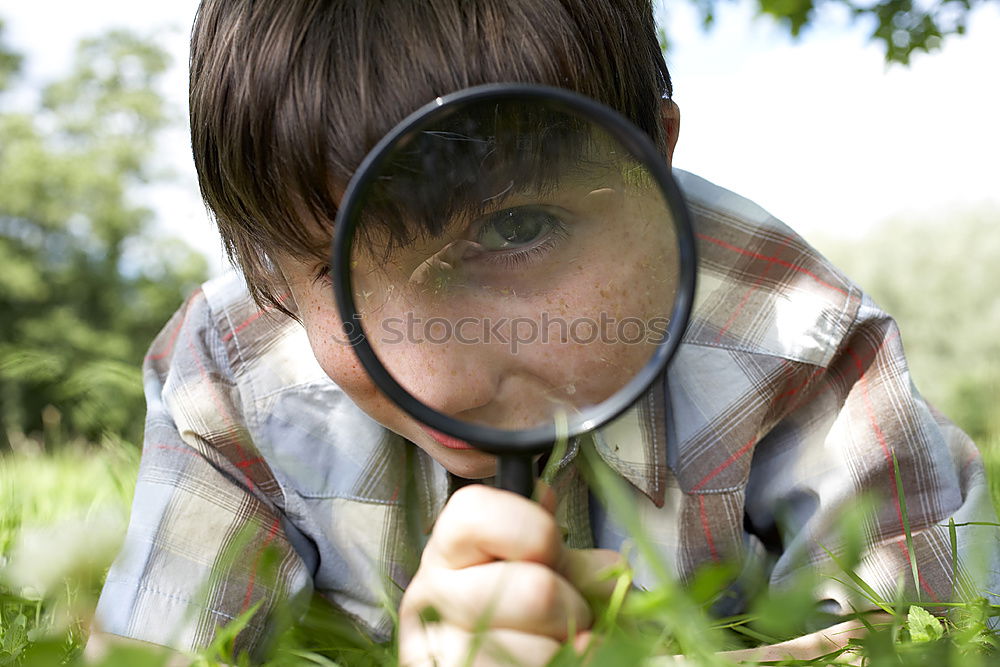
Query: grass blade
x=904, y=515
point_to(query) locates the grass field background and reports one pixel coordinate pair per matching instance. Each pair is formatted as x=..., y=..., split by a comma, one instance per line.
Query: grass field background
x=64, y=511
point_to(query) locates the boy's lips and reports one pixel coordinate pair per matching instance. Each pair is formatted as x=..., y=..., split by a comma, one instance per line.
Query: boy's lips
x=446, y=440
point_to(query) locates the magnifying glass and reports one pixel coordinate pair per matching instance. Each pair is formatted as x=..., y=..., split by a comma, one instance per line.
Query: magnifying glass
x=514, y=265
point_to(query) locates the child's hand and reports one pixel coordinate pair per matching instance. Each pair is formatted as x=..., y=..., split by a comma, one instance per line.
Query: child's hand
x=496, y=579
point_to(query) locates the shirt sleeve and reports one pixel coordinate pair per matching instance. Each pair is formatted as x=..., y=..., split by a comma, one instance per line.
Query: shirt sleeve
x=860, y=419
x=206, y=540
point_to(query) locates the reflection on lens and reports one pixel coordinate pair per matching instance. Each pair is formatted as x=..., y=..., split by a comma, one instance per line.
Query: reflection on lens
x=516, y=251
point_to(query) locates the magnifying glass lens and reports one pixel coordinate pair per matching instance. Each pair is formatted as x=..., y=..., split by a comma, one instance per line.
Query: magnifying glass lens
x=513, y=264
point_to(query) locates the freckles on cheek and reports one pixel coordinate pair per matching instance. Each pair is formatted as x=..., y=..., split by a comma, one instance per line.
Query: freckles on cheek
x=336, y=357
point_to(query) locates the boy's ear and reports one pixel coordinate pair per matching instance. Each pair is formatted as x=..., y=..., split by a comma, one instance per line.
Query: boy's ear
x=670, y=117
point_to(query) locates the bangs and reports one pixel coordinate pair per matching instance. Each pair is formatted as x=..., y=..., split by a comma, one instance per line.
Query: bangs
x=288, y=96
x=454, y=170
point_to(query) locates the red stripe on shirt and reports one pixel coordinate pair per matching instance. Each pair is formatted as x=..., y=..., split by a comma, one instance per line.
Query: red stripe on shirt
x=743, y=302
x=923, y=582
x=750, y=443
x=725, y=464
x=886, y=453
x=253, y=318
x=173, y=334
x=272, y=531
x=703, y=515
x=773, y=260
x=182, y=450
x=243, y=462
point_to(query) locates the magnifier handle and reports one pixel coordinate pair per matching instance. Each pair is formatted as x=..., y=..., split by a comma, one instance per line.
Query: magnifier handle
x=515, y=474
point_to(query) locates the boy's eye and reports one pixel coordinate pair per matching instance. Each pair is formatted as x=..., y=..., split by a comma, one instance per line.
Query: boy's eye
x=515, y=228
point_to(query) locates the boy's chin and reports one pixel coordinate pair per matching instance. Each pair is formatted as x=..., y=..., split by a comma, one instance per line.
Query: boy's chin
x=465, y=462
x=468, y=464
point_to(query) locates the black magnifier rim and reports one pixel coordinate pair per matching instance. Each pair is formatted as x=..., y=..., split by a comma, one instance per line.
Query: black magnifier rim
x=489, y=439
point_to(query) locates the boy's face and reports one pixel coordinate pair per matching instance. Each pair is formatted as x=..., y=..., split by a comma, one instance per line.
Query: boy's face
x=318, y=312
x=610, y=261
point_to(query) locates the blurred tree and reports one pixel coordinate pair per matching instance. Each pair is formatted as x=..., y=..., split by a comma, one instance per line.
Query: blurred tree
x=940, y=279
x=901, y=26
x=84, y=285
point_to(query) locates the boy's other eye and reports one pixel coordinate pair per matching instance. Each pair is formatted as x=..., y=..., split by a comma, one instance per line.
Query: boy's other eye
x=515, y=228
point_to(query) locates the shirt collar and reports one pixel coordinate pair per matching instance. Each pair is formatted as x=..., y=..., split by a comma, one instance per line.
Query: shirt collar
x=635, y=443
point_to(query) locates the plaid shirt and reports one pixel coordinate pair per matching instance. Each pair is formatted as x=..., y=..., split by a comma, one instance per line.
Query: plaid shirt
x=788, y=399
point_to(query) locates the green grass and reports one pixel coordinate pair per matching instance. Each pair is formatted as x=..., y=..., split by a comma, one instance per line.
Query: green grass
x=63, y=516
x=64, y=512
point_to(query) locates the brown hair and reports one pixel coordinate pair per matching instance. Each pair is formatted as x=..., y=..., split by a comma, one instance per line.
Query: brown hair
x=287, y=96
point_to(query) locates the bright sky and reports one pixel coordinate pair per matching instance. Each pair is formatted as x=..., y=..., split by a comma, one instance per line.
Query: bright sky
x=819, y=131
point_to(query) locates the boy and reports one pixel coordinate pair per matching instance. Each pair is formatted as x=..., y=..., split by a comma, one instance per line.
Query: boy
x=788, y=399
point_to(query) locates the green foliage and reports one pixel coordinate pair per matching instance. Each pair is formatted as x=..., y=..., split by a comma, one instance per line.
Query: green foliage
x=85, y=285
x=62, y=513
x=10, y=63
x=61, y=522
x=902, y=27
x=923, y=626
